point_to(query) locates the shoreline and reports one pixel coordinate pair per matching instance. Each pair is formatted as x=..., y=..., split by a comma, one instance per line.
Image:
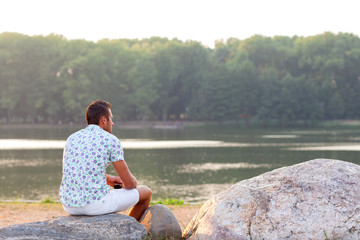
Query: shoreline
x=179, y=124
x=119, y=124
x=12, y=213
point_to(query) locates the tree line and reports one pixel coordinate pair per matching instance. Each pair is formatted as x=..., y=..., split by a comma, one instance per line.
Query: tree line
x=50, y=79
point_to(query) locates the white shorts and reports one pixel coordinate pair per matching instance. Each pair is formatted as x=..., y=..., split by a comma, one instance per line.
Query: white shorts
x=116, y=200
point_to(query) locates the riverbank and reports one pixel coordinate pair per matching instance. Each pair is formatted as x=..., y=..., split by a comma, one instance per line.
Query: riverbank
x=17, y=213
x=119, y=124
x=179, y=124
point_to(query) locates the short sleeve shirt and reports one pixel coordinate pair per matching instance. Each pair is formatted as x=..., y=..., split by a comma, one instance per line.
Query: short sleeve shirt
x=86, y=155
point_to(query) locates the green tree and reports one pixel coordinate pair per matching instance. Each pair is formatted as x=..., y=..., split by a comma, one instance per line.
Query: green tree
x=244, y=90
x=215, y=94
x=270, y=95
x=169, y=76
x=336, y=106
x=143, y=85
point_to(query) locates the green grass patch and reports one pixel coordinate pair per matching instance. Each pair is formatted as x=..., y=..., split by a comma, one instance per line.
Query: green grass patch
x=168, y=201
x=48, y=200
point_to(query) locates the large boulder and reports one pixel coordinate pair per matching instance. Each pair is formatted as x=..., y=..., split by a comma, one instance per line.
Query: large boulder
x=111, y=226
x=161, y=223
x=311, y=200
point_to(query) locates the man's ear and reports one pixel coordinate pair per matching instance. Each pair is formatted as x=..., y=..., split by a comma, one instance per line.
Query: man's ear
x=102, y=120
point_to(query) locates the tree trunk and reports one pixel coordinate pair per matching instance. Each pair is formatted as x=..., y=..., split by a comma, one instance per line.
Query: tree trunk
x=8, y=117
x=164, y=117
x=143, y=119
x=34, y=120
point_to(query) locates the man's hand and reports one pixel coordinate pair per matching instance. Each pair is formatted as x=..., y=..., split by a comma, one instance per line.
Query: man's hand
x=113, y=180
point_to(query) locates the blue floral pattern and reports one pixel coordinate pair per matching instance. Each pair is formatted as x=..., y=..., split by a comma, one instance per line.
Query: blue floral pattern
x=86, y=155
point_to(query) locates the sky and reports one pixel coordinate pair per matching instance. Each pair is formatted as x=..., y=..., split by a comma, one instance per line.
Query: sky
x=199, y=20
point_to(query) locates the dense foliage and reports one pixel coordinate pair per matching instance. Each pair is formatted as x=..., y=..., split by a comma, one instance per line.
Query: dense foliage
x=281, y=79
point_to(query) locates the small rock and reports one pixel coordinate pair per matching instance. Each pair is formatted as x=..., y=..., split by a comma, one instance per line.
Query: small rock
x=110, y=226
x=160, y=222
x=304, y=201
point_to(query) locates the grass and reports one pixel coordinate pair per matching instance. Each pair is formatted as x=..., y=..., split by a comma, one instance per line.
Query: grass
x=168, y=201
x=326, y=237
x=47, y=200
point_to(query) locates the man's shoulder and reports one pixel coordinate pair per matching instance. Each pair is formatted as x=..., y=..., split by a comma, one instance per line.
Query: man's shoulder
x=75, y=135
x=110, y=136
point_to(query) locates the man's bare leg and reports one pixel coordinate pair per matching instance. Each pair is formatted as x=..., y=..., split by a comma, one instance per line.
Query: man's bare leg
x=143, y=204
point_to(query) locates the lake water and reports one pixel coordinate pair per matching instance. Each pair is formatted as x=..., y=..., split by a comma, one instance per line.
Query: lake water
x=191, y=164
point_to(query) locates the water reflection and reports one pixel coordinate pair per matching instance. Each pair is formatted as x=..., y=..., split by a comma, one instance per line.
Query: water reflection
x=9, y=163
x=28, y=144
x=280, y=136
x=178, y=144
x=328, y=148
x=191, y=164
x=12, y=144
x=198, y=168
x=192, y=193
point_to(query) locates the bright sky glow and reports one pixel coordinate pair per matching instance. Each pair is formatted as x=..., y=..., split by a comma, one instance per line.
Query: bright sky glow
x=199, y=20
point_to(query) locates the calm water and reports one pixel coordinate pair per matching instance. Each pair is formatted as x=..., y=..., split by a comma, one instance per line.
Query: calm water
x=191, y=164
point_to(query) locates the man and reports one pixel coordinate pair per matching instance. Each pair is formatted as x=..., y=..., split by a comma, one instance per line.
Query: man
x=85, y=187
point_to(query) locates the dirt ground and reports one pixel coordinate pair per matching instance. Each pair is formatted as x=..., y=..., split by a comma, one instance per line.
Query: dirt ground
x=17, y=213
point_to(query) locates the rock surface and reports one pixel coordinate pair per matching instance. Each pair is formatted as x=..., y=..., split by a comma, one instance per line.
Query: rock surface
x=111, y=226
x=303, y=201
x=160, y=222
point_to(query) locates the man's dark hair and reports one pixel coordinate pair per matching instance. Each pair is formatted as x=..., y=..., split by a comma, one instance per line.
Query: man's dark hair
x=96, y=110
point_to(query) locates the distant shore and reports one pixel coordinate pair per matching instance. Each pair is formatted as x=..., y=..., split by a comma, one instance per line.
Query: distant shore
x=125, y=125
x=178, y=124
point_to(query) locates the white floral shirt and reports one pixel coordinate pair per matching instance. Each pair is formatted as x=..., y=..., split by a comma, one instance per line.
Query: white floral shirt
x=86, y=155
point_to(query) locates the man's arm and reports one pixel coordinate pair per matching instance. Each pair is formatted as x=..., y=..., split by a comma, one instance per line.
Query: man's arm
x=128, y=180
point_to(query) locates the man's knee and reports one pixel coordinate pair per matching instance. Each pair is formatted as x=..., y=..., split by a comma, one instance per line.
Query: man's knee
x=144, y=192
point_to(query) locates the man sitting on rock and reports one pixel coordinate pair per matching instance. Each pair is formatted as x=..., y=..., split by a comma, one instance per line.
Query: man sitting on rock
x=85, y=187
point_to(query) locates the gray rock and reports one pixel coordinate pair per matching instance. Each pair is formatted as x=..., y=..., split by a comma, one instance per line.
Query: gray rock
x=110, y=226
x=303, y=201
x=160, y=222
